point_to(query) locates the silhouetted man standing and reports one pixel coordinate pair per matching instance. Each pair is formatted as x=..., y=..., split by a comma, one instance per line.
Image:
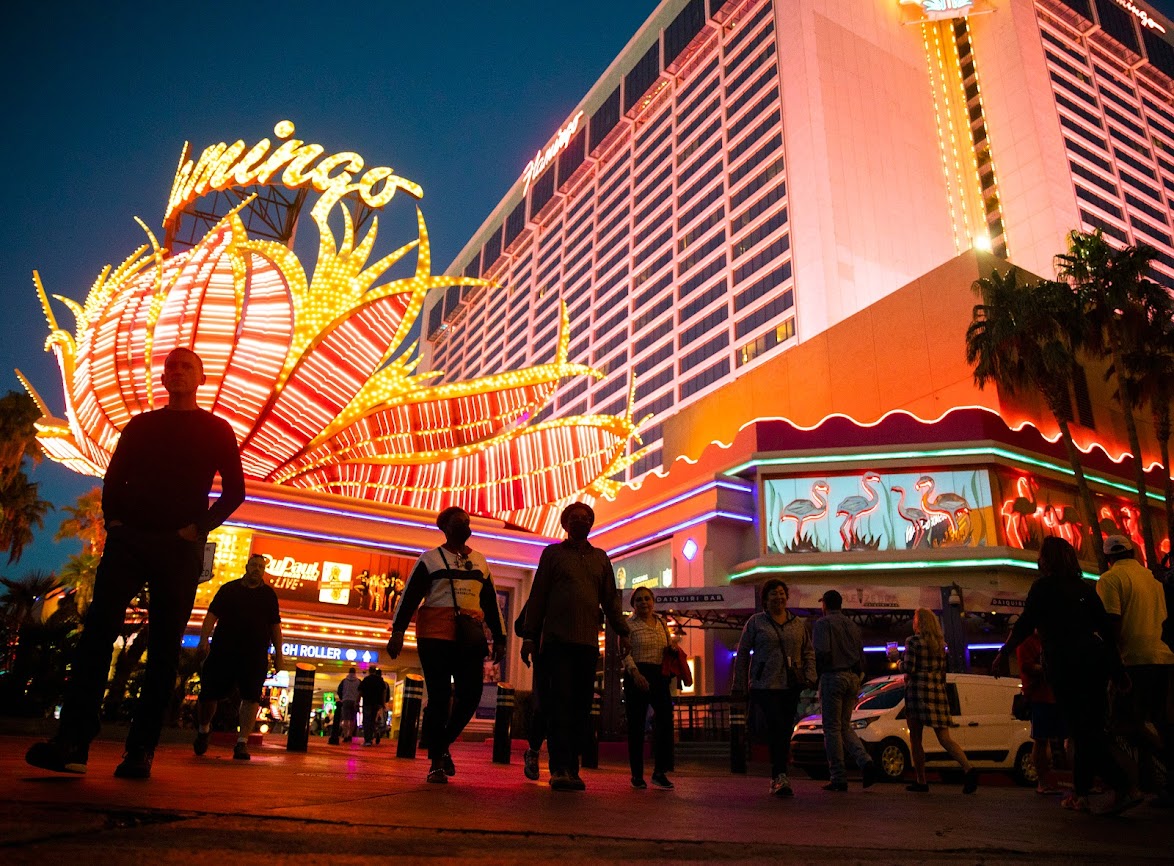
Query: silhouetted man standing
x=155, y=505
x=572, y=583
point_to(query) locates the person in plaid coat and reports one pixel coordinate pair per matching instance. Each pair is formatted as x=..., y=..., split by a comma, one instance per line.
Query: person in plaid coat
x=926, y=704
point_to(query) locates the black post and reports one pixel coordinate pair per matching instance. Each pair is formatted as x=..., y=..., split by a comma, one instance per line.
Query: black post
x=409, y=716
x=298, y=736
x=502, y=722
x=591, y=747
x=953, y=630
x=737, y=737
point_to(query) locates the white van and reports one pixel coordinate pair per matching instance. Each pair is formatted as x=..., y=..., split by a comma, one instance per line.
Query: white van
x=984, y=726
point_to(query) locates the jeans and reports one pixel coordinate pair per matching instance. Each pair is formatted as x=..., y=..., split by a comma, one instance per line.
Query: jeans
x=636, y=704
x=536, y=728
x=448, y=669
x=778, y=706
x=1082, y=695
x=570, y=684
x=838, y=691
x=170, y=567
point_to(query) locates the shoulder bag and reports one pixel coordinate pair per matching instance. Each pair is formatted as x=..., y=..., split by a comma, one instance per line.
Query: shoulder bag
x=675, y=663
x=469, y=633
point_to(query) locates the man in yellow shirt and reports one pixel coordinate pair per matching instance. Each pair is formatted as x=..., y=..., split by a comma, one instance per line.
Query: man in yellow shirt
x=1136, y=603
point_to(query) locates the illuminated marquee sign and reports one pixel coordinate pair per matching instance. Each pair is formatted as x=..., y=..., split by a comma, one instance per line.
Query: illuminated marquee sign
x=1145, y=19
x=221, y=166
x=315, y=369
x=935, y=9
x=328, y=653
x=543, y=158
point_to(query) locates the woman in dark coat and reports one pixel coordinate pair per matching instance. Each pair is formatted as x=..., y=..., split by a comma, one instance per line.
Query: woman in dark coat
x=1082, y=656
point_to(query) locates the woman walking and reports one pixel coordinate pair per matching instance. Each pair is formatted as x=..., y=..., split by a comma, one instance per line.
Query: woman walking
x=776, y=655
x=926, y=704
x=646, y=686
x=1082, y=656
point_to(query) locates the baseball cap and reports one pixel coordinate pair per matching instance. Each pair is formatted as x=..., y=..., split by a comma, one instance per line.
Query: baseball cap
x=1117, y=544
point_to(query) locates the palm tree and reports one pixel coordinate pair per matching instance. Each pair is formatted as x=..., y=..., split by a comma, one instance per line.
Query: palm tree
x=18, y=436
x=1021, y=338
x=1151, y=367
x=19, y=605
x=79, y=572
x=84, y=522
x=1118, y=302
x=21, y=508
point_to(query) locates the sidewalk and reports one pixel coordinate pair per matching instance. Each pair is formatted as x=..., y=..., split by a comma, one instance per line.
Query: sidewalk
x=346, y=804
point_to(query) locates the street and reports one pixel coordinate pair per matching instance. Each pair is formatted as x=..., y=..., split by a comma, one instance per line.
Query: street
x=348, y=804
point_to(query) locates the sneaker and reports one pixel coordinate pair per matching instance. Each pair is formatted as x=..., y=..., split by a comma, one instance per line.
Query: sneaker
x=367, y=743
x=1123, y=801
x=530, y=764
x=780, y=786
x=970, y=781
x=577, y=784
x=638, y=783
x=918, y=788
x=661, y=781
x=200, y=745
x=869, y=775
x=447, y=765
x=838, y=787
x=52, y=755
x=1075, y=803
x=240, y=752
x=437, y=776
x=561, y=782
x=136, y=764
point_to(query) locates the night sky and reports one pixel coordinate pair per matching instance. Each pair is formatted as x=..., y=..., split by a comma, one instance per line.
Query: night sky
x=455, y=96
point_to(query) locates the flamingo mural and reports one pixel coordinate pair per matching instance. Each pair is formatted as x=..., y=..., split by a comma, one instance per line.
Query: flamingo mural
x=951, y=507
x=1062, y=523
x=803, y=510
x=1131, y=517
x=918, y=520
x=1020, y=510
x=854, y=507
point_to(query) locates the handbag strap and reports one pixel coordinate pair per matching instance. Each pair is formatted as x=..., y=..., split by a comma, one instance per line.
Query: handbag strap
x=668, y=641
x=452, y=586
x=779, y=634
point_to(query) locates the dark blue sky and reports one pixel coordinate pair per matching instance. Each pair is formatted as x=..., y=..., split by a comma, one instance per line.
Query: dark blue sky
x=100, y=97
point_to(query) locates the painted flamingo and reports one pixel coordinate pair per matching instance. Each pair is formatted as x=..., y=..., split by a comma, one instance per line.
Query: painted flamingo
x=918, y=518
x=852, y=508
x=1062, y=522
x=1108, y=522
x=1018, y=511
x=1131, y=517
x=803, y=510
x=949, y=505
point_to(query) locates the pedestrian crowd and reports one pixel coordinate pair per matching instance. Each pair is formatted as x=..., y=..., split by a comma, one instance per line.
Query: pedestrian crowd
x=1093, y=661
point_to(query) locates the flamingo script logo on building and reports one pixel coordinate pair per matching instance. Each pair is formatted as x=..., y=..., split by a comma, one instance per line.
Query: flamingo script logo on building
x=1141, y=15
x=543, y=158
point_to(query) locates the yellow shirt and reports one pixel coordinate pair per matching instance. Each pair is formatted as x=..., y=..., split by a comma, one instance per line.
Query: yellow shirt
x=1129, y=590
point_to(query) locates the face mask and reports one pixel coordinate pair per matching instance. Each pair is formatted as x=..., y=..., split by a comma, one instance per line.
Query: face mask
x=458, y=535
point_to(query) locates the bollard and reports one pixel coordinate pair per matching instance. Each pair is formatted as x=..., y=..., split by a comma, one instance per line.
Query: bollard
x=409, y=716
x=502, y=722
x=591, y=747
x=737, y=738
x=298, y=737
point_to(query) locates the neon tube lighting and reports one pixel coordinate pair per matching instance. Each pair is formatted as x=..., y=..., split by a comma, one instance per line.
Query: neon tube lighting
x=894, y=566
x=728, y=485
x=1013, y=456
x=741, y=518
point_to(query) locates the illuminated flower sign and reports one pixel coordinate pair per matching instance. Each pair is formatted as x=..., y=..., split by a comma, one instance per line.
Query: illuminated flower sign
x=313, y=372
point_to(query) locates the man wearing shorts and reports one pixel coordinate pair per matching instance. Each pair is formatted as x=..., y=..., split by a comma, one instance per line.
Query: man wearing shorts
x=246, y=618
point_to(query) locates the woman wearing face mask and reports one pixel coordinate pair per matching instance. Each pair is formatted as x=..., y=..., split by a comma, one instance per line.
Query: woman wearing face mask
x=448, y=582
x=646, y=686
x=783, y=665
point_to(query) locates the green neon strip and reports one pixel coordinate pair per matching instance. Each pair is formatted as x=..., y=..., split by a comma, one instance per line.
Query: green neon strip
x=1013, y=456
x=893, y=566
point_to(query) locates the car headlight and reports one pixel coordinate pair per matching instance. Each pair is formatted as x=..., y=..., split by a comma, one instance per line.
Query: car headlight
x=859, y=724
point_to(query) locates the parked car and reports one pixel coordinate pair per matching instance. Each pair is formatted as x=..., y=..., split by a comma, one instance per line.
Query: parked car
x=984, y=726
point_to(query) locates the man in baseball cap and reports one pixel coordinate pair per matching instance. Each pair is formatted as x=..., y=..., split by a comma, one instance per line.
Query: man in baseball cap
x=1136, y=603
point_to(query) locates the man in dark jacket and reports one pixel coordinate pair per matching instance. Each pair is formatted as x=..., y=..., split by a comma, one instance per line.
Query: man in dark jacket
x=374, y=695
x=572, y=583
x=155, y=506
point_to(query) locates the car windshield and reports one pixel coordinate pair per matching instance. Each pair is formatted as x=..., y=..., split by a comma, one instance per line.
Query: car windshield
x=884, y=698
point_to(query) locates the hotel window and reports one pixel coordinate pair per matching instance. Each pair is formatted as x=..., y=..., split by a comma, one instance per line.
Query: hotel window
x=662, y=306
x=643, y=155
x=542, y=190
x=692, y=359
x=761, y=206
x=1155, y=234
x=699, y=185
x=608, y=388
x=702, y=327
x=1095, y=222
x=648, y=463
x=760, y=232
x=515, y=222
x=687, y=173
x=752, y=138
x=663, y=353
x=761, y=259
x=656, y=407
x=685, y=26
x=764, y=314
x=735, y=42
x=605, y=119
x=572, y=157
x=757, y=289
x=1117, y=23
x=642, y=76
x=1075, y=127
x=652, y=269
x=655, y=383
x=699, y=279
x=702, y=137
x=701, y=228
x=644, y=253
x=702, y=205
x=1135, y=164
x=1094, y=199
x=653, y=290
x=700, y=251
x=705, y=378
x=763, y=81
x=492, y=250
x=699, y=303
x=1093, y=177
x=1149, y=210
x=1143, y=188
x=766, y=342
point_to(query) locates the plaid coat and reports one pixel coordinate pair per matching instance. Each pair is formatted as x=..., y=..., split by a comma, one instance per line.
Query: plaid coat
x=925, y=684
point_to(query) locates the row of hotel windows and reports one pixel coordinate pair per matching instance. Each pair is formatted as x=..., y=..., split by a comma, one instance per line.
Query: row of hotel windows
x=1114, y=128
x=613, y=179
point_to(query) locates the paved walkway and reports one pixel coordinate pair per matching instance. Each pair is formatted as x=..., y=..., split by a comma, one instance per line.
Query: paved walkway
x=347, y=804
